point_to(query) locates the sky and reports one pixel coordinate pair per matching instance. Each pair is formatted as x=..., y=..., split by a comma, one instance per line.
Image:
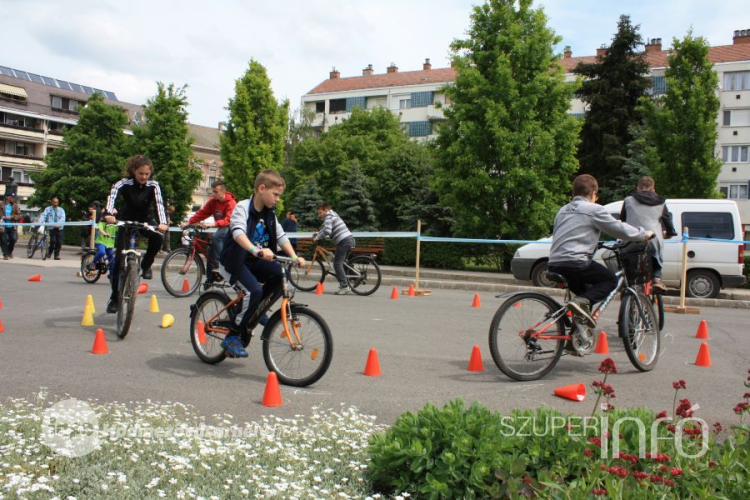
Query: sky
x=126, y=46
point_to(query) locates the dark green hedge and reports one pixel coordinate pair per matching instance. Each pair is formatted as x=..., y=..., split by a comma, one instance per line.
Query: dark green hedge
x=403, y=252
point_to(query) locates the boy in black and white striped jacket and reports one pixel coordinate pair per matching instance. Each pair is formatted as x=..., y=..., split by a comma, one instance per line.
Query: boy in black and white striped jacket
x=336, y=229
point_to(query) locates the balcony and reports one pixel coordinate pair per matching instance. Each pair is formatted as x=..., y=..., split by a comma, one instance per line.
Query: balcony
x=435, y=113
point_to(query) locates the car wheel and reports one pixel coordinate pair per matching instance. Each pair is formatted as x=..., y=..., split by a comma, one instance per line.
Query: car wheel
x=539, y=276
x=702, y=285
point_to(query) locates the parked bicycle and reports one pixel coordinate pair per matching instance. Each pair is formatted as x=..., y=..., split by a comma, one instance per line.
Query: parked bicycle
x=297, y=343
x=129, y=271
x=362, y=272
x=37, y=242
x=528, y=332
x=90, y=275
x=183, y=268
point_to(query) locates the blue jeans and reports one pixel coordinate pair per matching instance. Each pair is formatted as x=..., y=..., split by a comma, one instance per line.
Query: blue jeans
x=217, y=245
x=249, y=280
x=101, y=251
x=8, y=240
x=342, y=251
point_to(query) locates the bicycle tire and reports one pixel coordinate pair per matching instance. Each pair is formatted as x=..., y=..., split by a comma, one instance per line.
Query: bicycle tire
x=207, y=306
x=369, y=274
x=635, y=332
x=88, y=275
x=42, y=247
x=307, y=278
x=517, y=314
x=179, y=266
x=128, y=293
x=658, y=302
x=31, y=246
x=298, y=367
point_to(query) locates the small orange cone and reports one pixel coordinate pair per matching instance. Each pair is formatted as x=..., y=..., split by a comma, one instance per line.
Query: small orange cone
x=411, y=292
x=185, y=285
x=201, y=333
x=477, y=302
x=702, y=332
x=475, y=362
x=272, y=395
x=372, y=368
x=704, y=358
x=36, y=277
x=319, y=289
x=394, y=294
x=602, y=347
x=2, y=328
x=574, y=392
x=100, y=343
x=143, y=288
x=1, y=305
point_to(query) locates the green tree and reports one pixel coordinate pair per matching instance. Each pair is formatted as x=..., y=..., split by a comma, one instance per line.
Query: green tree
x=612, y=88
x=93, y=159
x=305, y=204
x=506, y=151
x=164, y=139
x=356, y=208
x=682, y=123
x=643, y=159
x=255, y=136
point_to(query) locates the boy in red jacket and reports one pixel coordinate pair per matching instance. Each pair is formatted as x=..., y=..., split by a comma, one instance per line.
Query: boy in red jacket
x=220, y=207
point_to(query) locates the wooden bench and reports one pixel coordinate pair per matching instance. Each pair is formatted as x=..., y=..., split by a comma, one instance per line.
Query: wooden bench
x=372, y=246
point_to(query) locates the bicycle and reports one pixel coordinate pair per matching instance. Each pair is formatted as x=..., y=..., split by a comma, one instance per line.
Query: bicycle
x=129, y=272
x=297, y=343
x=362, y=272
x=528, y=332
x=102, y=267
x=37, y=242
x=183, y=268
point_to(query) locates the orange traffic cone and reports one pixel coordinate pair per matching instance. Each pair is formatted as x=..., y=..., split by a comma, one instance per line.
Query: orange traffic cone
x=201, y=333
x=272, y=395
x=704, y=358
x=602, y=347
x=185, y=285
x=2, y=328
x=36, y=277
x=319, y=289
x=477, y=302
x=475, y=362
x=372, y=368
x=574, y=392
x=411, y=292
x=100, y=343
x=1, y=305
x=702, y=332
x=394, y=294
x=143, y=288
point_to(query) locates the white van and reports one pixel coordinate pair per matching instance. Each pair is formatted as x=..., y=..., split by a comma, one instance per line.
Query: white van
x=711, y=265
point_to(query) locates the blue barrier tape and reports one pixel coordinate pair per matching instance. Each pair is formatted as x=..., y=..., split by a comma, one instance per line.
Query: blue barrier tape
x=47, y=224
x=719, y=240
x=471, y=240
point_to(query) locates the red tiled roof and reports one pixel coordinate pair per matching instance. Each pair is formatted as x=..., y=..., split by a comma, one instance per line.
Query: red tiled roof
x=655, y=59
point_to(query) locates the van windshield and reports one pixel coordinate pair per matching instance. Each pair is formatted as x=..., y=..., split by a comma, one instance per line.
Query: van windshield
x=709, y=224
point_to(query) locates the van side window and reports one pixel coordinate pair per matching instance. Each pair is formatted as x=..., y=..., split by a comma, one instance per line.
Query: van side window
x=709, y=224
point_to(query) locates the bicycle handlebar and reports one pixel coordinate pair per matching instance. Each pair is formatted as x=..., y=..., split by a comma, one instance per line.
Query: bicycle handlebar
x=140, y=225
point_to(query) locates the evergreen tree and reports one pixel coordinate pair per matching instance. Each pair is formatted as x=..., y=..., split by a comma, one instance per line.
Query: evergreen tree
x=93, y=159
x=506, y=151
x=682, y=123
x=611, y=89
x=164, y=139
x=643, y=159
x=305, y=204
x=356, y=209
x=254, y=139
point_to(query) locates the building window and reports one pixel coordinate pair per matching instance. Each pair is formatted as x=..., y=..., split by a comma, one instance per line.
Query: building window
x=22, y=177
x=736, y=118
x=65, y=104
x=56, y=102
x=735, y=154
x=211, y=181
x=56, y=127
x=337, y=106
x=732, y=192
x=737, y=80
x=419, y=129
x=404, y=103
x=356, y=102
x=578, y=116
x=422, y=99
x=11, y=93
x=320, y=107
x=17, y=148
x=658, y=85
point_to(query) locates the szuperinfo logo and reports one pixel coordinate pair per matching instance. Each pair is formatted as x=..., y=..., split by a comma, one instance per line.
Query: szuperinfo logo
x=70, y=428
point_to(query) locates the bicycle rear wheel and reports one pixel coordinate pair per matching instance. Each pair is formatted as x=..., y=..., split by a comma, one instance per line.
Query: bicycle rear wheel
x=182, y=272
x=518, y=355
x=306, y=278
x=31, y=246
x=364, y=276
x=43, y=247
x=639, y=329
x=88, y=275
x=207, y=345
x=302, y=364
x=128, y=292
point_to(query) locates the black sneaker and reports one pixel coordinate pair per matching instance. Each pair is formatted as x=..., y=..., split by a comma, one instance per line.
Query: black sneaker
x=581, y=309
x=112, y=306
x=146, y=274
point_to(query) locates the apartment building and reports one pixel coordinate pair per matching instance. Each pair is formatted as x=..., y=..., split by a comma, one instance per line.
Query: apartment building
x=416, y=97
x=35, y=110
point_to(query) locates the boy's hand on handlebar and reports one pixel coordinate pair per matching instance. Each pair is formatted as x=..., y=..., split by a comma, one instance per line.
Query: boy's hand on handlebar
x=300, y=262
x=162, y=227
x=649, y=235
x=266, y=254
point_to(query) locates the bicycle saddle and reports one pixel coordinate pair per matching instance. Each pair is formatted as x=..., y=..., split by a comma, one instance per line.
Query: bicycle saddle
x=557, y=278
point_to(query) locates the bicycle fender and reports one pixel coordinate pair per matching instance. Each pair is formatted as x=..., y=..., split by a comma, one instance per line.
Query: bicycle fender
x=508, y=295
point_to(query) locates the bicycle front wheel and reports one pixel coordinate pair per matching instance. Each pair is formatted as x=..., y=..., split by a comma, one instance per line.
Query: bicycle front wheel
x=128, y=292
x=515, y=351
x=298, y=364
x=182, y=272
x=306, y=278
x=43, y=248
x=209, y=313
x=363, y=274
x=89, y=275
x=658, y=302
x=31, y=246
x=639, y=329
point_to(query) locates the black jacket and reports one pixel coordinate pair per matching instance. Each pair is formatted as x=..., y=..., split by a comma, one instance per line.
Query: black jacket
x=137, y=200
x=233, y=256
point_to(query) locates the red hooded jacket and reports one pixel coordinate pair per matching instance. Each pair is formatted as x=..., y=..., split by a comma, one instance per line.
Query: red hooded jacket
x=221, y=211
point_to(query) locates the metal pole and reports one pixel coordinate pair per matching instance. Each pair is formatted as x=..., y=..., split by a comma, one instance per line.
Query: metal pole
x=683, y=284
x=419, y=233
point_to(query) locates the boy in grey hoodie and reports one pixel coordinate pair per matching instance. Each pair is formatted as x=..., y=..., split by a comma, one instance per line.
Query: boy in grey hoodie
x=335, y=228
x=574, y=238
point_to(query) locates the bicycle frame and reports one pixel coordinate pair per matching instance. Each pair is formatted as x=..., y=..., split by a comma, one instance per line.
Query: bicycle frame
x=201, y=246
x=328, y=260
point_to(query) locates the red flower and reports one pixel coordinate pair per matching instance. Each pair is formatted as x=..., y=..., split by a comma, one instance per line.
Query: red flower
x=671, y=428
x=595, y=440
x=679, y=384
x=676, y=472
x=656, y=479
x=663, y=468
x=598, y=492
x=741, y=408
x=662, y=414
x=608, y=366
x=747, y=395
x=602, y=467
x=640, y=474
x=662, y=458
x=713, y=463
x=669, y=482
x=607, y=407
x=527, y=479
x=684, y=408
x=588, y=452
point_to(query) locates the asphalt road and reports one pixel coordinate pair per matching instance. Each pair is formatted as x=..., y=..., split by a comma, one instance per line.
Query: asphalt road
x=423, y=343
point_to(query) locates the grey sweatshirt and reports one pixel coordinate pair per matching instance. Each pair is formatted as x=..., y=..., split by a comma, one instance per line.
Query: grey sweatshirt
x=577, y=228
x=334, y=227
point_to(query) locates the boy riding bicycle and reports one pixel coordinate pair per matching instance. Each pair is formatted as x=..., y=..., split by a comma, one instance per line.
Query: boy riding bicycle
x=335, y=228
x=247, y=256
x=578, y=226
